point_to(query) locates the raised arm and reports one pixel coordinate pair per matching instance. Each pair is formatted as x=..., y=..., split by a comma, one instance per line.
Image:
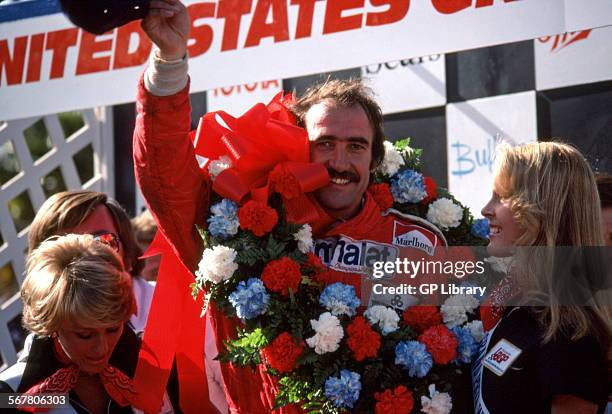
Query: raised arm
x=166, y=169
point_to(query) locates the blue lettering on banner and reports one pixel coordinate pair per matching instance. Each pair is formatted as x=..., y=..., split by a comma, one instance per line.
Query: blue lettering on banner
x=467, y=159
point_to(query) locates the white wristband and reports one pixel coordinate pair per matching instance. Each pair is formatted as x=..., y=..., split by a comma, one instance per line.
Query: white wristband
x=165, y=77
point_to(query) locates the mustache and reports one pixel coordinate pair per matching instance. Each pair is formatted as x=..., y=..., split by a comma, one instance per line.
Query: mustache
x=345, y=175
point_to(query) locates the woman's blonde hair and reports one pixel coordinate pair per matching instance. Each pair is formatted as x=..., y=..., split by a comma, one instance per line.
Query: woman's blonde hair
x=75, y=278
x=554, y=198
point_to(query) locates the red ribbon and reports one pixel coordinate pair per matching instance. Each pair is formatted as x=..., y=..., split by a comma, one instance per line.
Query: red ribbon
x=118, y=386
x=492, y=309
x=174, y=330
x=264, y=139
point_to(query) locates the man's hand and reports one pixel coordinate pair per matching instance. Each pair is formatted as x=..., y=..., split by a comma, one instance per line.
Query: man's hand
x=167, y=25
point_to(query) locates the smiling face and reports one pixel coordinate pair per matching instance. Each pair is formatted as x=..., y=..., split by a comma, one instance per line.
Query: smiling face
x=341, y=139
x=89, y=348
x=504, y=229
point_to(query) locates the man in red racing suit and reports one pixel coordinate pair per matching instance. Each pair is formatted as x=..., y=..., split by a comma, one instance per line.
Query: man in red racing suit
x=346, y=137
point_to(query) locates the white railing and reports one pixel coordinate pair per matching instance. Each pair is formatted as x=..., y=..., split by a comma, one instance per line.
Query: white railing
x=42, y=159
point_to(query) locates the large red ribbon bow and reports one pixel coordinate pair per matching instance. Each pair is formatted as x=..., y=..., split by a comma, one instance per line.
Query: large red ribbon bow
x=269, y=153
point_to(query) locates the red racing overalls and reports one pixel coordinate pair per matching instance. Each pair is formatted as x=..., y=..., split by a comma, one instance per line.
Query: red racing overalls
x=178, y=196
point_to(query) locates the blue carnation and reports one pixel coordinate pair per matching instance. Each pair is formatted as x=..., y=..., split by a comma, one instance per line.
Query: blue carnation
x=339, y=299
x=480, y=228
x=224, y=223
x=467, y=347
x=408, y=186
x=343, y=392
x=413, y=356
x=250, y=298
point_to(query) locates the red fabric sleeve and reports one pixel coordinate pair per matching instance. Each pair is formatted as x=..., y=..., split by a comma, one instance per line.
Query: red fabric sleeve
x=167, y=172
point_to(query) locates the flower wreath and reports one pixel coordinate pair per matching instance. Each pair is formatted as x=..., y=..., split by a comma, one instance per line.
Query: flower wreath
x=258, y=266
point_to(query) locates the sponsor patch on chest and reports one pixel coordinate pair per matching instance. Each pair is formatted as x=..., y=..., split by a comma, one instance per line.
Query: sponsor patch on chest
x=501, y=357
x=417, y=237
x=353, y=256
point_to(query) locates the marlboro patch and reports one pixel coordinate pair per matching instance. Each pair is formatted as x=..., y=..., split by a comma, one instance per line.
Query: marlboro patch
x=417, y=237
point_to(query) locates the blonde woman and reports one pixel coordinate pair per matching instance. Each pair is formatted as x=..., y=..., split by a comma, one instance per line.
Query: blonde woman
x=77, y=300
x=550, y=358
x=91, y=212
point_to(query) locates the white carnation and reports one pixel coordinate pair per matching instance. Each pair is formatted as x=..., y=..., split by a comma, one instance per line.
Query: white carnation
x=217, y=264
x=445, y=213
x=216, y=167
x=476, y=329
x=499, y=264
x=386, y=318
x=392, y=160
x=455, y=309
x=337, y=307
x=437, y=403
x=304, y=238
x=328, y=334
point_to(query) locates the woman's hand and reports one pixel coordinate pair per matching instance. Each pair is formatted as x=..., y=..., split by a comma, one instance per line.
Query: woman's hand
x=167, y=25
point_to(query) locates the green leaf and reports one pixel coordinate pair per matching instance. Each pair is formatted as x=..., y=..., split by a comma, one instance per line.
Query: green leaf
x=250, y=256
x=275, y=249
x=245, y=349
x=195, y=289
x=297, y=256
x=205, y=235
x=402, y=144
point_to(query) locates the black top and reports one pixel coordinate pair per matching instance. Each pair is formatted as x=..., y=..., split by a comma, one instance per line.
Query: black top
x=541, y=371
x=41, y=363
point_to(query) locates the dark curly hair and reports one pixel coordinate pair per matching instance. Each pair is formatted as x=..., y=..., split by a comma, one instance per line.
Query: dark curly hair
x=346, y=93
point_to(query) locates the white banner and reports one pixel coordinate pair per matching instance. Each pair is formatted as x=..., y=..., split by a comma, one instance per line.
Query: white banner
x=48, y=66
x=408, y=84
x=474, y=128
x=573, y=58
x=235, y=100
x=587, y=14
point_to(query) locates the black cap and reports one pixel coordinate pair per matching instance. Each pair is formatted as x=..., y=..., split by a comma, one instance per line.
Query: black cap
x=100, y=16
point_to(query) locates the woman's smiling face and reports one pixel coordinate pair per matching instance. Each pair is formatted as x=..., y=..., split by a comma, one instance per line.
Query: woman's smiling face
x=504, y=229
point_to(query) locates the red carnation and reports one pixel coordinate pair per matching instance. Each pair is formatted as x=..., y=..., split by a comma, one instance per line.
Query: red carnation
x=431, y=188
x=314, y=261
x=441, y=344
x=282, y=354
x=281, y=275
x=398, y=401
x=257, y=217
x=285, y=183
x=420, y=318
x=382, y=195
x=314, y=264
x=362, y=339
